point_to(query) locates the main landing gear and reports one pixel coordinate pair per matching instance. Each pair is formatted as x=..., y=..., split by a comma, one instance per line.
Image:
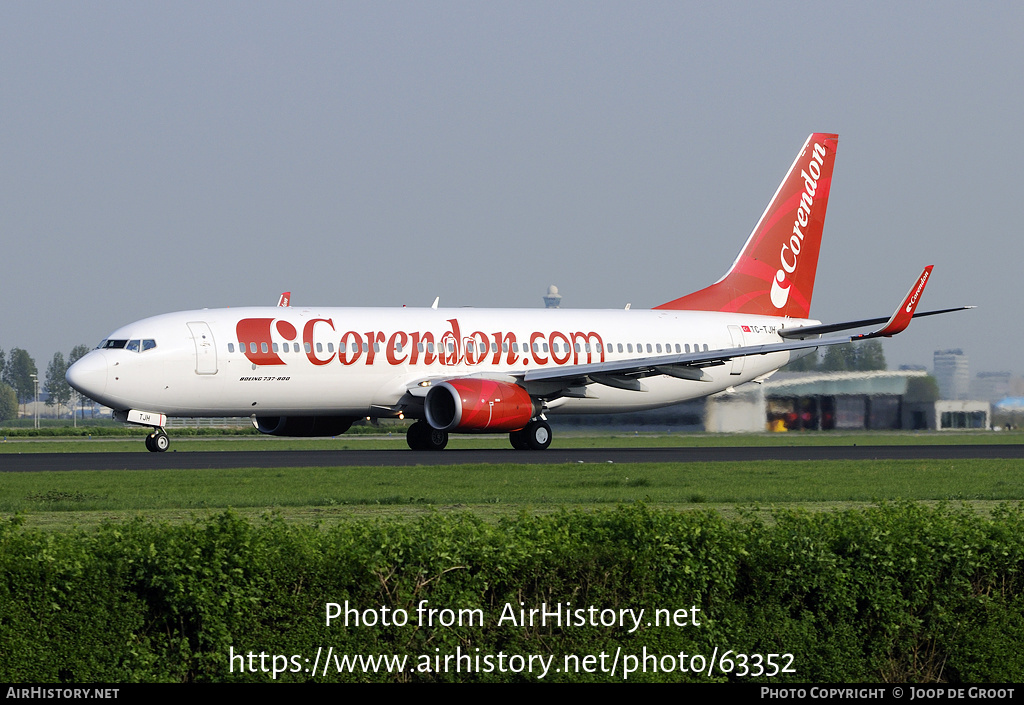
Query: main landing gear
x=157, y=441
x=423, y=436
x=536, y=436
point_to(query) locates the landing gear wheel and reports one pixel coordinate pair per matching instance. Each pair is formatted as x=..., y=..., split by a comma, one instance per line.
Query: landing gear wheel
x=416, y=436
x=423, y=436
x=538, y=435
x=157, y=442
x=437, y=440
x=518, y=439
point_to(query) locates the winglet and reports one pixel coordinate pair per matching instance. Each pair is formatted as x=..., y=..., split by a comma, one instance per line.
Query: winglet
x=285, y=300
x=901, y=318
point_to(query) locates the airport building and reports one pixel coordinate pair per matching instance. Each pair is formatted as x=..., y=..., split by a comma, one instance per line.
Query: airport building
x=810, y=401
x=552, y=299
x=877, y=400
x=952, y=373
x=991, y=386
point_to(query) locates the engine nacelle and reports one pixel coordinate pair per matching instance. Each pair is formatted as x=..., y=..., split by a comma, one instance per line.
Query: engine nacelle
x=302, y=425
x=478, y=405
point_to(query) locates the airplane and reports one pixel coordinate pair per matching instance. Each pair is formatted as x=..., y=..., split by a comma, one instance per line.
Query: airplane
x=311, y=371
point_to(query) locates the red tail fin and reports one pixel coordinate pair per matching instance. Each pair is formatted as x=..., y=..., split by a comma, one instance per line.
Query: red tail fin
x=774, y=273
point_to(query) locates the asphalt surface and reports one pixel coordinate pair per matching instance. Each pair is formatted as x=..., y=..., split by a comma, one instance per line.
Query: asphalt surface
x=214, y=460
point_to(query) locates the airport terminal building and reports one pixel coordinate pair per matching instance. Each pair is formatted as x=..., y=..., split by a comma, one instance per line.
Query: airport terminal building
x=882, y=400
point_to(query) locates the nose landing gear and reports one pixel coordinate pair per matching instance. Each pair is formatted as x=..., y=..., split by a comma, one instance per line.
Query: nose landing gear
x=158, y=441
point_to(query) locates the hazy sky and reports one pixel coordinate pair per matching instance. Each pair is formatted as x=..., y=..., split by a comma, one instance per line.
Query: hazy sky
x=159, y=156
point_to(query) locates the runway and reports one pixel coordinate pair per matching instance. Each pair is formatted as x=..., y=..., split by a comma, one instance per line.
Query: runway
x=219, y=460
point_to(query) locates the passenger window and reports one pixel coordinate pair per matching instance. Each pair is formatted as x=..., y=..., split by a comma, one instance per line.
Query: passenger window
x=659, y=347
x=649, y=348
x=274, y=347
x=308, y=347
x=231, y=347
x=252, y=347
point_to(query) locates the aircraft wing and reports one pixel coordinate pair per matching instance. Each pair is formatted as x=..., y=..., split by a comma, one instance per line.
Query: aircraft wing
x=626, y=374
x=811, y=331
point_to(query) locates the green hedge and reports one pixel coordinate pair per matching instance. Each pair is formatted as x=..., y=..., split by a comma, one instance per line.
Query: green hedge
x=898, y=593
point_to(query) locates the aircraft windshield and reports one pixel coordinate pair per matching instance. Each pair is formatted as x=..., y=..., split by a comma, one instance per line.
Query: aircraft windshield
x=137, y=345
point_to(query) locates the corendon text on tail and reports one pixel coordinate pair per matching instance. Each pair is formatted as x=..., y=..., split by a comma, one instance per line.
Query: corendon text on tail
x=307, y=371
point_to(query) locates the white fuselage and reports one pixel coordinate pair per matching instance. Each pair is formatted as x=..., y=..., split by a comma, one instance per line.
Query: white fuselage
x=364, y=361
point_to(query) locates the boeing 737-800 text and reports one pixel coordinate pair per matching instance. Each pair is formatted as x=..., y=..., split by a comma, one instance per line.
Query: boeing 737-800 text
x=304, y=371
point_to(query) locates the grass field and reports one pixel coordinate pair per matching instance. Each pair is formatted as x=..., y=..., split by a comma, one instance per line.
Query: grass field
x=64, y=499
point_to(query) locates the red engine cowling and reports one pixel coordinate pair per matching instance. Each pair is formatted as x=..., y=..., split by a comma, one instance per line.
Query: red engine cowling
x=478, y=405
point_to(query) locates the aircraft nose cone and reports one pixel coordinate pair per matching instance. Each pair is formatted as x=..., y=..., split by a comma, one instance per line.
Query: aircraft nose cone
x=89, y=374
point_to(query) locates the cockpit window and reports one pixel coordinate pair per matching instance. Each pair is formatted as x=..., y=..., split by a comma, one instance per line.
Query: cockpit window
x=132, y=345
